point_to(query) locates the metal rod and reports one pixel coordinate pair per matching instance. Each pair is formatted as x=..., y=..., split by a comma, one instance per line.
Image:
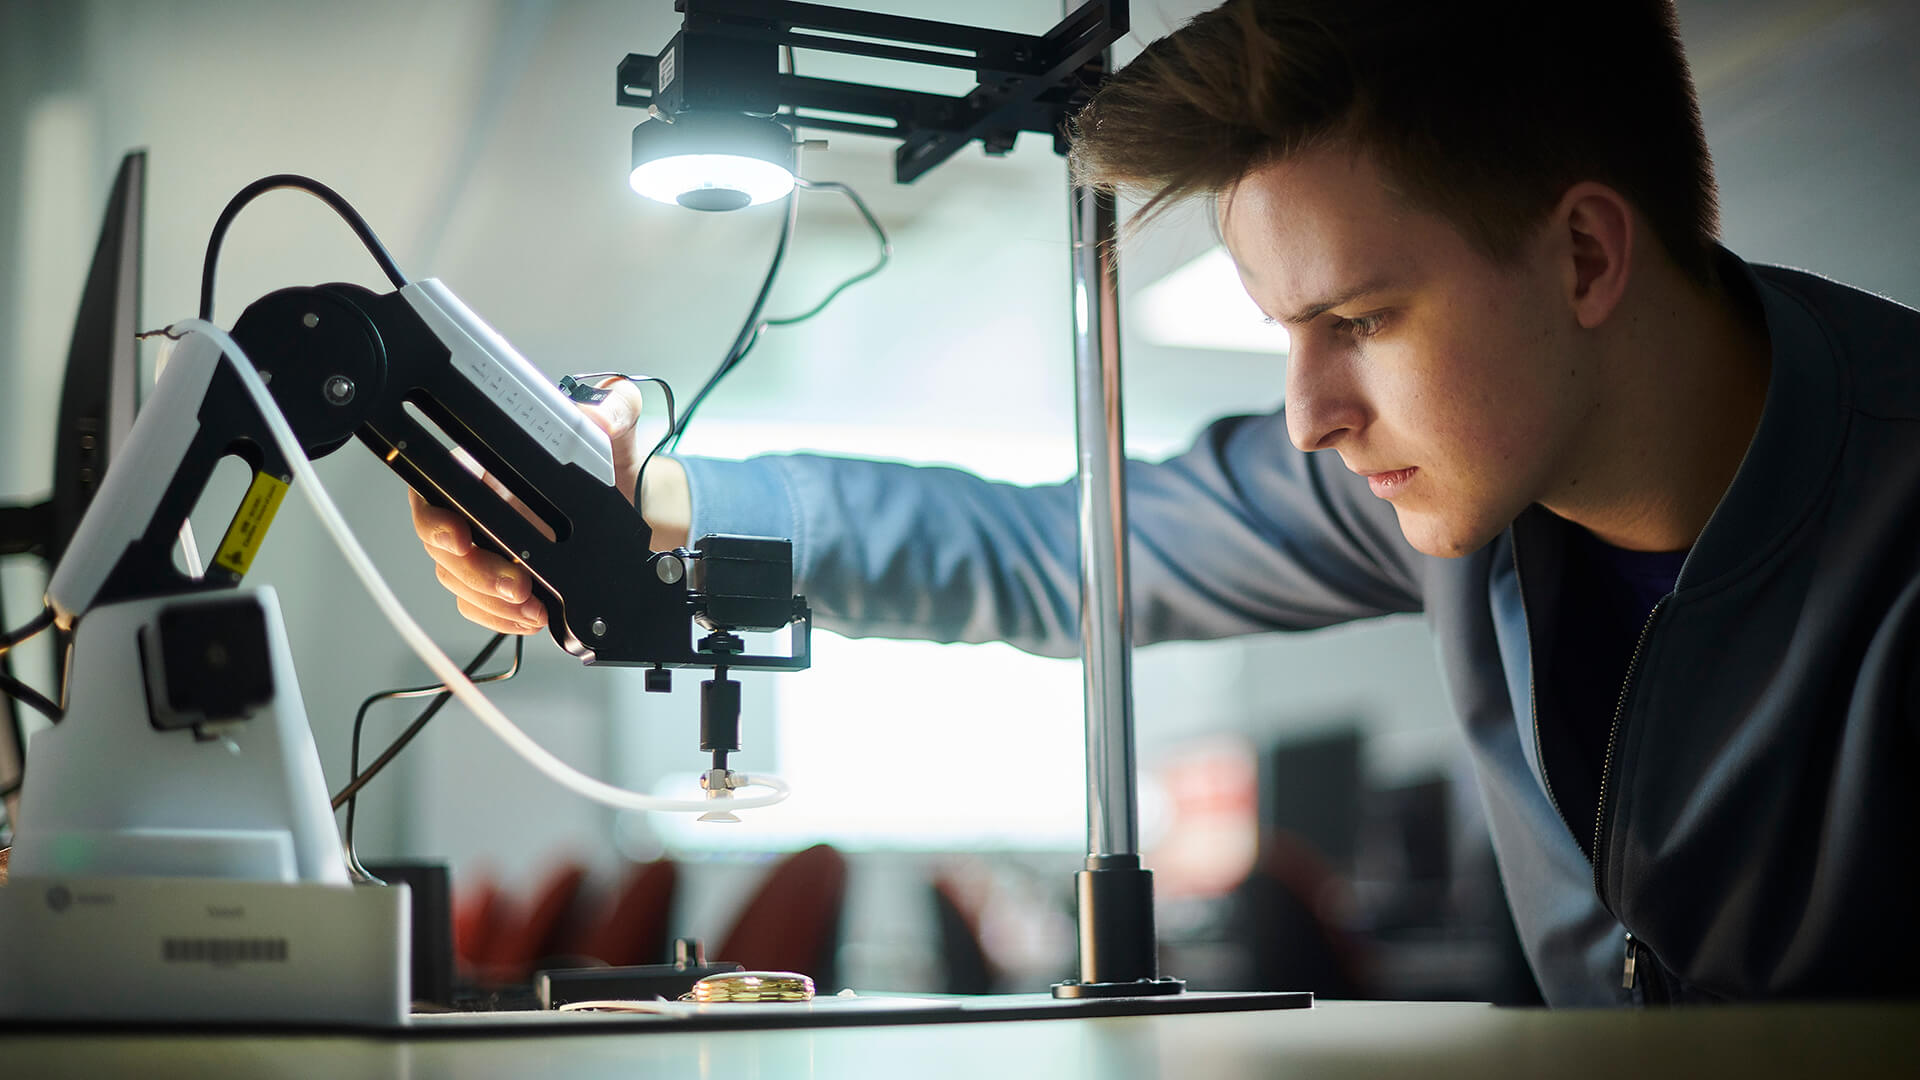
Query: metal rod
x=1106, y=632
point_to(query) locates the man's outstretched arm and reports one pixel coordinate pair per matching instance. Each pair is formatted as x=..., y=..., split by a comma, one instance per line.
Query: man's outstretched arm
x=1241, y=533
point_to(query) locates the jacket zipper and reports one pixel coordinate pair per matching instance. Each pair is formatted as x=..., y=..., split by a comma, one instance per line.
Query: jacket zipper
x=1629, y=973
x=1626, y=686
x=1533, y=702
x=1606, y=765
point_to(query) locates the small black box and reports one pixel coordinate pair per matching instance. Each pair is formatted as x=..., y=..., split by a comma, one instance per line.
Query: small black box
x=745, y=582
x=206, y=661
x=432, y=959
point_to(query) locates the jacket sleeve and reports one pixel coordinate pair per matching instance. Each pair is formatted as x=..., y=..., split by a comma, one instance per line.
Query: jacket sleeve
x=1240, y=533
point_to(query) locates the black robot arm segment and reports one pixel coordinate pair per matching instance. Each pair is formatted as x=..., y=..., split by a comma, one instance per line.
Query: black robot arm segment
x=434, y=392
x=200, y=415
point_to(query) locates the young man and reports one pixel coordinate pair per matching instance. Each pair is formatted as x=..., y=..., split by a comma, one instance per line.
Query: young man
x=1661, y=507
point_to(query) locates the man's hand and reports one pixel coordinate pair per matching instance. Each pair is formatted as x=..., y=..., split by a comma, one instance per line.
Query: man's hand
x=497, y=594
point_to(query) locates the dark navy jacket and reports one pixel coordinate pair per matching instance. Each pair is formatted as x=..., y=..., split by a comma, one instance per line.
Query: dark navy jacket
x=1757, y=821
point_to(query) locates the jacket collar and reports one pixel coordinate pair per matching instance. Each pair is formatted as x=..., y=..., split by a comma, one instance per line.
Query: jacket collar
x=1794, y=449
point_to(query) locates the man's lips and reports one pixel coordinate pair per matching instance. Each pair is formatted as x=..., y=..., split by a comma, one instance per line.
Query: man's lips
x=1391, y=482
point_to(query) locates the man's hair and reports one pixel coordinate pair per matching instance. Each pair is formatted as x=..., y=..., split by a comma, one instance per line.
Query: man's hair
x=1483, y=111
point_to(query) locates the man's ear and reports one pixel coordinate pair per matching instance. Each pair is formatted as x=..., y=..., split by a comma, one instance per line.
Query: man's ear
x=1596, y=225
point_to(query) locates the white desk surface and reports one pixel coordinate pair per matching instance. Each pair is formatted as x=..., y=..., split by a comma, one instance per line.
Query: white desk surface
x=1333, y=1039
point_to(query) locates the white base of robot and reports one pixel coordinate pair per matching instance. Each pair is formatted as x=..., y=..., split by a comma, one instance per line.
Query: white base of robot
x=163, y=873
x=148, y=950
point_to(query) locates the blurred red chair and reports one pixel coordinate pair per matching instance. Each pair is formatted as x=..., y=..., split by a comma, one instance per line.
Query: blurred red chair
x=634, y=928
x=793, y=921
x=508, y=955
x=480, y=914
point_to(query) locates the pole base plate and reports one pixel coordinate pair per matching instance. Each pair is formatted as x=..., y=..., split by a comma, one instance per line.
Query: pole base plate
x=1163, y=985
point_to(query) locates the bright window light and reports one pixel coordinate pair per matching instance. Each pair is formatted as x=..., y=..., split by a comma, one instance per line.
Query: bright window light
x=666, y=179
x=1202, y=305
x=911, y=745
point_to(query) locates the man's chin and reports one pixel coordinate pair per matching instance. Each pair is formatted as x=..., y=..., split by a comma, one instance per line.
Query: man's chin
x=1444, y=537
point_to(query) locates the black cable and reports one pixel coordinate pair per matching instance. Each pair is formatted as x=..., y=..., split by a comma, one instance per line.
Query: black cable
x=666, y=388
x=743, y=342
x=886, y=251
x=6, y=822
x=38, y=623
x=312, y=187
x=358, y=780
x=441, y=695
x=23, y=693
x=750, y=331
x=28, y=696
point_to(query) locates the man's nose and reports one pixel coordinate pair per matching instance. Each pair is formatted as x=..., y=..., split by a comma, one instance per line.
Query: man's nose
x=1323, y=402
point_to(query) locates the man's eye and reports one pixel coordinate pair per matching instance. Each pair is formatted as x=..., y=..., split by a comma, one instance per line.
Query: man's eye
x=1359, y=325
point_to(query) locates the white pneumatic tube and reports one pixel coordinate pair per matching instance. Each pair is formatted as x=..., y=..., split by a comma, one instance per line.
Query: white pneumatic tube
x=443, y=667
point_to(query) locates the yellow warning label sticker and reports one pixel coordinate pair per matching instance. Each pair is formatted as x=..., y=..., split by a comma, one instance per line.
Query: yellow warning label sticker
x=249, y=527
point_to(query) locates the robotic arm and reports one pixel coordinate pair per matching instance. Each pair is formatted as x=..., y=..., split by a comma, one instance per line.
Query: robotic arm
x=432, y=390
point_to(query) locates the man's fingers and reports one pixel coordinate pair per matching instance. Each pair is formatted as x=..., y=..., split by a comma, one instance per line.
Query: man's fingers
x=493, y=622
x=617, y=415
x=529, y=613
x=619, y=410
x=482, y=573
x=489, y=590
x=439, y=529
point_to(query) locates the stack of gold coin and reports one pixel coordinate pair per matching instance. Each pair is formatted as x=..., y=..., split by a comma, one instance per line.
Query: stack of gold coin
x=751, y=986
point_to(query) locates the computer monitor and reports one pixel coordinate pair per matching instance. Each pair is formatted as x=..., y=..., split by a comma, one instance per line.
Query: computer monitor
x=97, y=403
x=103, y=360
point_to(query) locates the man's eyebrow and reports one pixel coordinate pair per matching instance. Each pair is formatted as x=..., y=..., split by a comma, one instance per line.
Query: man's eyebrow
x=1313, y=311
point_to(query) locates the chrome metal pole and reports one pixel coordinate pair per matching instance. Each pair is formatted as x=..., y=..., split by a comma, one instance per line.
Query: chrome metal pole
x=1106, y=634
x=1114, y=893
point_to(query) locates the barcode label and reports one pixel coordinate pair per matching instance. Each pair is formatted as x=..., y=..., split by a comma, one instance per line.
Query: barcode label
x=224, y=952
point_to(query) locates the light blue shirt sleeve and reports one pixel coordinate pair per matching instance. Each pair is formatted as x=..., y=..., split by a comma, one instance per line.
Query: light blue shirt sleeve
x=1241, y=533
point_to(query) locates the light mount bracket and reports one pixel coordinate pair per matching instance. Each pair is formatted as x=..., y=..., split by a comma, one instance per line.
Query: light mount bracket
x=726, y=59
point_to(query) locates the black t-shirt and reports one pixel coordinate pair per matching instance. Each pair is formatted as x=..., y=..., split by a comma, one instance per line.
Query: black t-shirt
x=1606, y=596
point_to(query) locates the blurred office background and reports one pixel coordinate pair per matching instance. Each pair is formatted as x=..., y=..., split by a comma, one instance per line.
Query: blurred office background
x=1305, y=798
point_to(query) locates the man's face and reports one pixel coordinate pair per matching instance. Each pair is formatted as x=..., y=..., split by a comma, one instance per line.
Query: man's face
x=1457, y=385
